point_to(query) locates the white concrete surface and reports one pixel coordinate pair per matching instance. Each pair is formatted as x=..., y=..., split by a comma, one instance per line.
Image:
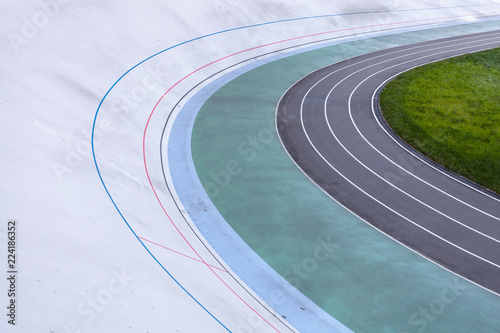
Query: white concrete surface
x=79, y=266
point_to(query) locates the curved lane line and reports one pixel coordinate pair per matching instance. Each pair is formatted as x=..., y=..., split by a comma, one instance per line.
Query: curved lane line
x=421, y=180
x=383, y=55
x=373, y=172
x=408, y=172
x=394, y=211
x=360, y=189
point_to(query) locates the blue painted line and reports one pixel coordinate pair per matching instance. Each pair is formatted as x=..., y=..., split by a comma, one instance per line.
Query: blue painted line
x=199, y=38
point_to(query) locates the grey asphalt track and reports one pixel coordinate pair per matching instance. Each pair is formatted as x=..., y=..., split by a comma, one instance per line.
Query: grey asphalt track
x=330, y=125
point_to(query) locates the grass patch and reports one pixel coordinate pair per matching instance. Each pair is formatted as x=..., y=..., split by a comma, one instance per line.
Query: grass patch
x=450, y=111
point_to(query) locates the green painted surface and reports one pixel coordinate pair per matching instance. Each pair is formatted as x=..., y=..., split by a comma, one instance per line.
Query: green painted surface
x=361, y=277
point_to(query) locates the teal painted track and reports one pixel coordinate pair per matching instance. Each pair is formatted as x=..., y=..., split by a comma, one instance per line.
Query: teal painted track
x=359, y=276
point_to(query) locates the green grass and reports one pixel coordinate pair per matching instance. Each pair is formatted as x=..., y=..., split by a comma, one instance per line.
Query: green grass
x=450, y=111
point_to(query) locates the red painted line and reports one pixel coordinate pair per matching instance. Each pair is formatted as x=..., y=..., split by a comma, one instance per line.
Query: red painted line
x=182, y=254
x=226, y=57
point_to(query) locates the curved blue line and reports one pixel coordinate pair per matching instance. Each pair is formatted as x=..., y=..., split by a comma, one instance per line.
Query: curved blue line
x=202, y=37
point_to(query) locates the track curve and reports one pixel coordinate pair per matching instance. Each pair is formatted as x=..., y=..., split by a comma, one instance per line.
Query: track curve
x=329, y=124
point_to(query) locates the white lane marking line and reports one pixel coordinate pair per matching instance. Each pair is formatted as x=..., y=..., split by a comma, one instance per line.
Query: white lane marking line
x=455, y=179
x=392, y=210
x=378, y=201
x=442, y=191
x=352, y=212
x=415, y=176
x=352, y=120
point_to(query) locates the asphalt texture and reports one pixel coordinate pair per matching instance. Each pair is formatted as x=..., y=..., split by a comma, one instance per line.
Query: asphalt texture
x=330, y=125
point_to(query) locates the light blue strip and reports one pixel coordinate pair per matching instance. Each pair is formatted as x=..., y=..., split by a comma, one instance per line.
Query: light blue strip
x=257, y=274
